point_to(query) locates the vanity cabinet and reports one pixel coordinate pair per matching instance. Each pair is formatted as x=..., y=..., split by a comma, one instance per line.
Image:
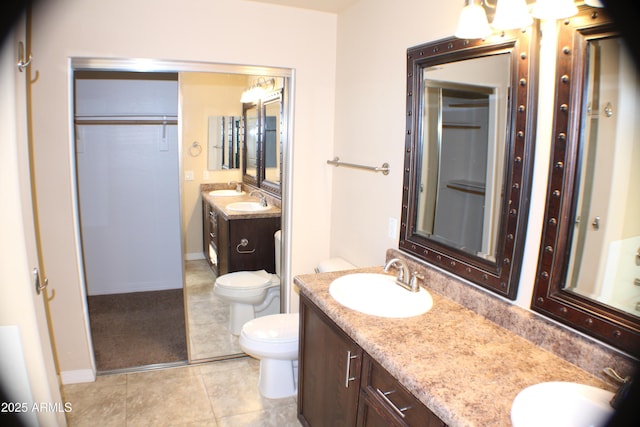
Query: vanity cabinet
x=341, y=385
x=243, y=244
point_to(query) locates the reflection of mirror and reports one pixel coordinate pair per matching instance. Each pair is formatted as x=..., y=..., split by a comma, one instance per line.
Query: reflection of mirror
x=251, y=115
x=272, y=123
x=589, y=261
x=468, y=156
x=223, y=146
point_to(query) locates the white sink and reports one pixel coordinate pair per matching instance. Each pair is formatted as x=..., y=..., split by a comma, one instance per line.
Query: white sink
x=226, y=193
x=246, y=207
x=379, y=295
x=561, y=404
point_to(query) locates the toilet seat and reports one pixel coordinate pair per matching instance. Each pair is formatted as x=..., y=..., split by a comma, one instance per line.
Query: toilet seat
x=274, y=337
x=247, y=280
x=279, y=328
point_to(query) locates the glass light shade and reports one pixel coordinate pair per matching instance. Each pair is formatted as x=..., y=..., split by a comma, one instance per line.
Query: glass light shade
x=554, y=9
x=473, y=23
x=593, y=3
x=511, y=15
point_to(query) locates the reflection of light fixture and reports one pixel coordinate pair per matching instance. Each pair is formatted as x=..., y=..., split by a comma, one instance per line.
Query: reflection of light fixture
x=511, y=15
x=554, y=9
x=473, y=22
x=257, y=90
x=593, y=3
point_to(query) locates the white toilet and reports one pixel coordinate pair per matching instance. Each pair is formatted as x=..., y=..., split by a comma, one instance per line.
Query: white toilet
x=250, y=294
x=274, y=340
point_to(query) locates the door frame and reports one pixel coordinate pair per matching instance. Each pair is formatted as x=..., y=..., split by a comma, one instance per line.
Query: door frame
x=154, y=65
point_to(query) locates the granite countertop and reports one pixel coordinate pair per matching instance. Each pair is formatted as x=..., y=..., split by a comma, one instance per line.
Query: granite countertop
x=466, y=369
x=221, y=203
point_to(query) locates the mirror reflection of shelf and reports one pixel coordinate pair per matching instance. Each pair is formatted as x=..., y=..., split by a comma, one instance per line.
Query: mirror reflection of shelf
x=483, y=104
x=466, y=186
x=460, y=126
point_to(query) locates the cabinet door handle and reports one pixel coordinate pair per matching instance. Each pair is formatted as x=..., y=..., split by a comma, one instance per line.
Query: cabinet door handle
x=348, y=378
x=383, y=395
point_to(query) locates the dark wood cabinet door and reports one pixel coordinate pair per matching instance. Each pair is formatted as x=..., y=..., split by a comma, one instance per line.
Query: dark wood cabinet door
x=329, y=371
x=251, y=244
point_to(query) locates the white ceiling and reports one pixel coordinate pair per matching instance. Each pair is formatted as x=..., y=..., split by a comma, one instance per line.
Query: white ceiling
x=333, y=6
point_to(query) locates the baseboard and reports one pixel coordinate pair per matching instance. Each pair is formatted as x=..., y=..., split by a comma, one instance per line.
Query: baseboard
x=79, y=376
x=193, y=256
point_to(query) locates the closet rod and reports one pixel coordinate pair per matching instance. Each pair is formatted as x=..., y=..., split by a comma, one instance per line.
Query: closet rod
x=126, y=120
x=384, y=168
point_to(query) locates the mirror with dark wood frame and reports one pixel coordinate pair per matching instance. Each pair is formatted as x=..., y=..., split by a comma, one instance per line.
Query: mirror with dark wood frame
x=262, y=146
x=251, y=143
x=589, y=263
x=272, y=125
x=468, y=156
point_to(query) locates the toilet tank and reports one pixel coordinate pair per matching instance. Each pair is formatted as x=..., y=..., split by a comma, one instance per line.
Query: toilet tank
x=277, y=238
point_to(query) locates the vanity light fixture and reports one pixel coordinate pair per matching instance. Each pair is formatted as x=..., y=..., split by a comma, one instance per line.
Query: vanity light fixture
x=473, y=22
x=511, y=15
x=257, y=90
x=554, y=9
x=594, y=3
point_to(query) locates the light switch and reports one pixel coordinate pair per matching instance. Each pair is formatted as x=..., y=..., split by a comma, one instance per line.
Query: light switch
x=188, y=175
x=393, y=227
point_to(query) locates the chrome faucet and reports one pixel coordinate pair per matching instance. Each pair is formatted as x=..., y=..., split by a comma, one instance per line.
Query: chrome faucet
x=623, y=389
x=263, y=199
x=237, y=184
x=404, y=278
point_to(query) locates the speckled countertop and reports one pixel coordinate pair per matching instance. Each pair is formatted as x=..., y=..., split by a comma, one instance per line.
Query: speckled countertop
x=221, y=203
x=466, y=369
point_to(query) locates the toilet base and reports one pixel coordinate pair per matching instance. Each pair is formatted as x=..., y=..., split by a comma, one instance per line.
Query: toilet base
x=278, y=378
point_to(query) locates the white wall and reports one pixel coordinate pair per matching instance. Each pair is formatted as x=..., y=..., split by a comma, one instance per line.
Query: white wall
x=219, y=31
x=373, y=37
x=23, y=322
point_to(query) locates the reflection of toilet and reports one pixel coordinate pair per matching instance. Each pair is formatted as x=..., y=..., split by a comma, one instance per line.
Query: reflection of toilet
x=250, y=294
x=274, y=340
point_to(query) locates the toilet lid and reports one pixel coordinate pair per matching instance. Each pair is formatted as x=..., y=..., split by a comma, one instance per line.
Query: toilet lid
x=273, y=328
x=246, y=279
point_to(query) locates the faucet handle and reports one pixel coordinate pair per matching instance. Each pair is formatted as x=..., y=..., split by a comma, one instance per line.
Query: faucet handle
x=415, y=281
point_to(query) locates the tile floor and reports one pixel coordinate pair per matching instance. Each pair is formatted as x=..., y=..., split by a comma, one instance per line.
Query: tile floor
x=207, y=315
x=220, y=394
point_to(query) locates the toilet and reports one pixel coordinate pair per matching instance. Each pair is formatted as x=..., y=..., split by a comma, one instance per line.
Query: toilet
x=250, y=294
x=273, y=339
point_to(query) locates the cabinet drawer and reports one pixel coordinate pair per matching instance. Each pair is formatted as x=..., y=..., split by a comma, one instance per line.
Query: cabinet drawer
x=388, y=394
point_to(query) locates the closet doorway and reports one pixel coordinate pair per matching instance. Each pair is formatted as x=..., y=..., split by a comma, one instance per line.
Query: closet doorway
x=127, y=164
x=190, y=264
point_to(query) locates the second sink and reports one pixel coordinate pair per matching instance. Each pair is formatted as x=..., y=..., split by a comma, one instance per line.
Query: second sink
x=246, y=207
x=379, y=295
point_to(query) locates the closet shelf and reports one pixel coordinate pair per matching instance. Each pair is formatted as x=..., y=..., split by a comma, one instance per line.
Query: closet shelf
x=451, y=125
x=467, y=186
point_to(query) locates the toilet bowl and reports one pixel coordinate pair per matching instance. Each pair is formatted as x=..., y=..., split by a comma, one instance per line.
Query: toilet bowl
x=273, y=339
x=250, y=294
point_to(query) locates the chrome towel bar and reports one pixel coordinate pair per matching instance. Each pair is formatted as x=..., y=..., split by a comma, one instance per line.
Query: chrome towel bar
x=336, y=162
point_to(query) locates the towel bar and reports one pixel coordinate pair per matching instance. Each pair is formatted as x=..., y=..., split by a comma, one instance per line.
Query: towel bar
x=336, y=162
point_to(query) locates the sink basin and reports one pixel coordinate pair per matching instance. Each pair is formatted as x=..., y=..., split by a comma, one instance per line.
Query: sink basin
x=226, y=193
x=563, y=404
x=379, y=295
x=246, y=207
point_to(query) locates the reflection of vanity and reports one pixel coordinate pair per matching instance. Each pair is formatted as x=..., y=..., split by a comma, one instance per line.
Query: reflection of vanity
x=237, y=241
